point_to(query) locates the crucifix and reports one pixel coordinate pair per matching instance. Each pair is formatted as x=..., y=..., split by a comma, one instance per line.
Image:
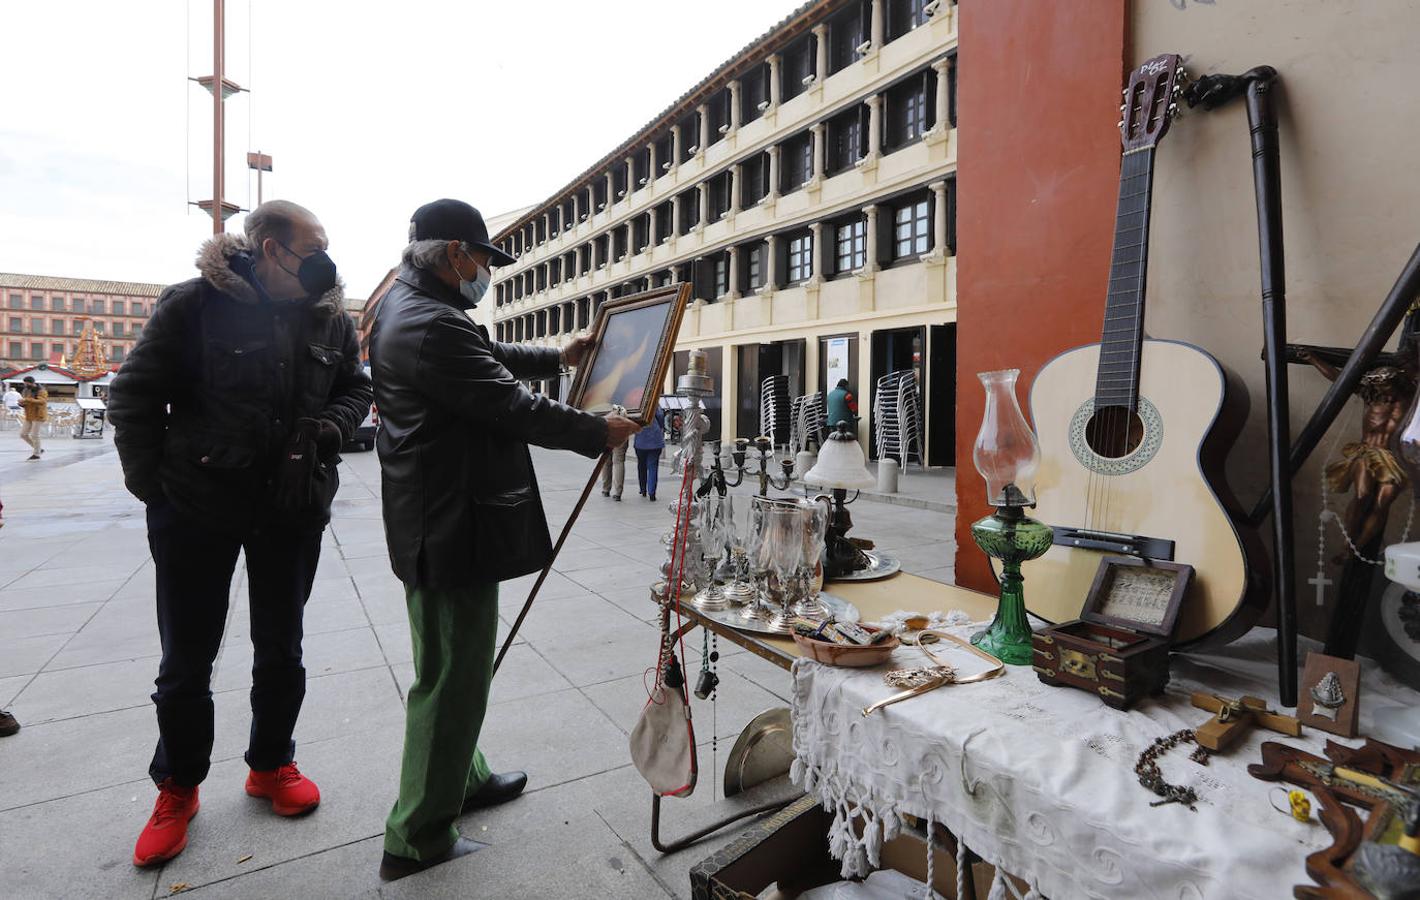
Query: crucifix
x=1233, y=718
x=1321, y=582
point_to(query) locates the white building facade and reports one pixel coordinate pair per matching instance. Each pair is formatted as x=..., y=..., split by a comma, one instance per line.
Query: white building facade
x=807, y=191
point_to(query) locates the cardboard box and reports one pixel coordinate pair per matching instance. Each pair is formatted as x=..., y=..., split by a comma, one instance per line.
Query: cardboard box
x=786, y=854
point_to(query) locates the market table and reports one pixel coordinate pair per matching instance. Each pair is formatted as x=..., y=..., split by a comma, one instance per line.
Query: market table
x=1039, y=780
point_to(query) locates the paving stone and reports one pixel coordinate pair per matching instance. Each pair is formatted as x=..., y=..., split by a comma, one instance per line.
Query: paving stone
x=559, y=738
x=349, y=870
x=56, y=759
x=122, y=629
x=591, y=861
x=71, y=575
x=25, y=656
x=78, y=846
x=11, y=686
x=45, y=620
x=70, y=594
x=87, y=690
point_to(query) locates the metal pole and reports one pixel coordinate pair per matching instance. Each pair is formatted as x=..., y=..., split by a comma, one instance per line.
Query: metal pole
x=218, y=113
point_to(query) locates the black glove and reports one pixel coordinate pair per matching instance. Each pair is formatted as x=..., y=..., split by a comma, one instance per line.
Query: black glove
x=328, y=439
x=296, y=473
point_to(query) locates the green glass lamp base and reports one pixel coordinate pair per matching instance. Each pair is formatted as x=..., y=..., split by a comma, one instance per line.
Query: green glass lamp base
x=1012, y=537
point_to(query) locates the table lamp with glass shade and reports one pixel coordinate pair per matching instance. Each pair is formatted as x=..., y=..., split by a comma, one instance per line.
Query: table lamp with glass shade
x=1007, y=456
x=840, y=468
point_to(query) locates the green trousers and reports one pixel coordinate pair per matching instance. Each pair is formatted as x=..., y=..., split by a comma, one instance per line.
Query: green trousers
x=454, y=632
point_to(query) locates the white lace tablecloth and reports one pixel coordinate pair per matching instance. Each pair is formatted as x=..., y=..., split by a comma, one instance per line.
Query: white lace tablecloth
x=1040, y=782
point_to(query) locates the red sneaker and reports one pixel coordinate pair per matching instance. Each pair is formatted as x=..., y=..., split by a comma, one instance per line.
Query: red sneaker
x=290, y=792
x=165, y=835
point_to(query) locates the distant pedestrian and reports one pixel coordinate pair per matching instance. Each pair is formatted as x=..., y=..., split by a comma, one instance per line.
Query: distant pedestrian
x=35, y=402
x=614, y=472
x=12, y=398
x=842, y=406
x=229, y=415
x=650, y=442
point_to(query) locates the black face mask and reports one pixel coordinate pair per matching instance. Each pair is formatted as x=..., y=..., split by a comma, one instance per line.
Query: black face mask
x=316, y=272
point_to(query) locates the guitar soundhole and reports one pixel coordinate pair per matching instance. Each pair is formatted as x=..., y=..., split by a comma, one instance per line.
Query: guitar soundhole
x=1114, y=432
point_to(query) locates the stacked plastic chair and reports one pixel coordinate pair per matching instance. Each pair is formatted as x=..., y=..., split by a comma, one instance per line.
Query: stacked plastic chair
x=808, y=422
x=897, y=415
x=775, y=410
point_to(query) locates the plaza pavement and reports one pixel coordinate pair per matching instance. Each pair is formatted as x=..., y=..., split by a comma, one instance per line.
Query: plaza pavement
x=79, y=651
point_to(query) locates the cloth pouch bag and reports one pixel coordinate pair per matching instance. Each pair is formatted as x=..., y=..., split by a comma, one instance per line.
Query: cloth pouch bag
x=663, y=741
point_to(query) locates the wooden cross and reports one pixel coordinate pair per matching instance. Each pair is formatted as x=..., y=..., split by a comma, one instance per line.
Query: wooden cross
x=1232, y=719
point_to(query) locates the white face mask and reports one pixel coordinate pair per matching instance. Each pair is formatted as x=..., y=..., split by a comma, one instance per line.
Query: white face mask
x=473, y=291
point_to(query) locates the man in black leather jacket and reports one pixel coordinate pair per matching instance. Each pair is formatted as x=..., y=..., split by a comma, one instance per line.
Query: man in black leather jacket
x=229, y=416
x=461, y=509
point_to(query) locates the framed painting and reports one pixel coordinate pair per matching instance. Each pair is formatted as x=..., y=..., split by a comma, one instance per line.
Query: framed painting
x=626, y=367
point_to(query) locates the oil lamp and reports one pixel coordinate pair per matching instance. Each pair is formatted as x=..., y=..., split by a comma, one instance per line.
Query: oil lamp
x=840, y=467
x=1007, y=456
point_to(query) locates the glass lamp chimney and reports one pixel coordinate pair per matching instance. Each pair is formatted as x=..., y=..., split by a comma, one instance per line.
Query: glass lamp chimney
x=1006, y=452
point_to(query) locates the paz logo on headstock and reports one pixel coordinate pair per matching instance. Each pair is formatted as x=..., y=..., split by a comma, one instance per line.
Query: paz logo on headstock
x=1151, y=101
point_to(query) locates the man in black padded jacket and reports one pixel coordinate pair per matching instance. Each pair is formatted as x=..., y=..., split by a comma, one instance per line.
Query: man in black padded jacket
x=229, y=415
x=461, y=508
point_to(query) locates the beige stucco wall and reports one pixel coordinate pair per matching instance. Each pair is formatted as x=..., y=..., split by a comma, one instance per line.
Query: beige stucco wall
x=1350, y=138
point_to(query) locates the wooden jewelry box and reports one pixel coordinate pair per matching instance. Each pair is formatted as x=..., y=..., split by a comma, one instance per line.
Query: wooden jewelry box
x=1119, y=647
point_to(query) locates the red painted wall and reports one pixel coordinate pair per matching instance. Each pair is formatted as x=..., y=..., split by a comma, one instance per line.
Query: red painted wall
x=1038, y=167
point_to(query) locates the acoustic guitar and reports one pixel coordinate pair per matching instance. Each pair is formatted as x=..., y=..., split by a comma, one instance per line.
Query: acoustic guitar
x=1133, y=431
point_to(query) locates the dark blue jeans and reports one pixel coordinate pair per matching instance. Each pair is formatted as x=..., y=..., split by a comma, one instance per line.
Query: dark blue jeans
x=194, y=573
x=648, y=470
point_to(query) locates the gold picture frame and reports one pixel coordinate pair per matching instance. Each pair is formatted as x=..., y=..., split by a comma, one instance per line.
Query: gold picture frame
x=634, y=337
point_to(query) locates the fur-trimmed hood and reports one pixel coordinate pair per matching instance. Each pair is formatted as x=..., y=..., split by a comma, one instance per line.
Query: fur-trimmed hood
x=214, y=262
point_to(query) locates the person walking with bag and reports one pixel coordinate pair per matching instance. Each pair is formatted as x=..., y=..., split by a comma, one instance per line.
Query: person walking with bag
x=461, y=510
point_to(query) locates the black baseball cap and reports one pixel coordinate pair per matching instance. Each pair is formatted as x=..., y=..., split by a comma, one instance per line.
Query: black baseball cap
x=455, y=220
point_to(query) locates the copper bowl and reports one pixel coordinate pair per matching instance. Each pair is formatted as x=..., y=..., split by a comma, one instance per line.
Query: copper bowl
x=831, y=654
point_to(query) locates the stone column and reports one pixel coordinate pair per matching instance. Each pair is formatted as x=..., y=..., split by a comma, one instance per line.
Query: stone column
x=774, y=92
x=576, y=207
x=820, y=52
x=943, y=68
x=816, y=255
x=870, y=263
x=734, y=106
x=939, y=218
x=735, y=187
x=650, y=229
x=876, y=31
x=630, y=177
x=774, y=171
x=651, y=171
x=675, y=214
x=771, y=263
x=704, y=112
x=734, y=272
x=703, y=188
x=677, y=147
x=610, y=189
x=875, y=125
x=820, y=148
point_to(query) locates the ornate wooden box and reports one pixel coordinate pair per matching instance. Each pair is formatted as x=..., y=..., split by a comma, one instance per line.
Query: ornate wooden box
x=1119, y=647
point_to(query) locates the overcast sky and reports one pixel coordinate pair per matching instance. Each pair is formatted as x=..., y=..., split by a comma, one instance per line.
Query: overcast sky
x=368, y=110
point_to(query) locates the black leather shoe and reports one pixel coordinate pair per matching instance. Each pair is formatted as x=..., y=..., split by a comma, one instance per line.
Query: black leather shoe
x=8, y=725
x=393, y=868
x=497, y=789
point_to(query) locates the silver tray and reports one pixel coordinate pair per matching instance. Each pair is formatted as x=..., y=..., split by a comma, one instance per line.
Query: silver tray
x=880, y=565
x=838, y=607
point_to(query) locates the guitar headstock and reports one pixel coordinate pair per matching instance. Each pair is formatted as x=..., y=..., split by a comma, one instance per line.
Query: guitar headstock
x=1151, y=101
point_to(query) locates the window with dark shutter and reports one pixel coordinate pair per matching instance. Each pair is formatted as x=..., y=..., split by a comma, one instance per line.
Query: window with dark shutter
x=904, y=16
x=850, y=244
x=912, y=228
x=719, y=113
x=800, y=257
x=846, y=33
x=908, y=110
x=847, y=141
x=754, y=93
x=796, y=159
x=795, y=67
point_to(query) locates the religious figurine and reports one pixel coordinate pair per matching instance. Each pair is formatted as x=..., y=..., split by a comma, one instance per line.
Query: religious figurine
x=1368, y=467
x=1327, y=696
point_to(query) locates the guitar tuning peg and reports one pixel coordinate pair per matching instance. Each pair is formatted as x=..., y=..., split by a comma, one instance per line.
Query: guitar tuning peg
x=1119, y=124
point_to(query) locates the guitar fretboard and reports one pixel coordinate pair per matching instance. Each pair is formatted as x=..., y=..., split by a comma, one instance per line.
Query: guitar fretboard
x=1117, y=380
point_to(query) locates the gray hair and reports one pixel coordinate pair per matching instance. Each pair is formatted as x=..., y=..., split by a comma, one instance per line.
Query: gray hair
x=274, y=219
x=429, y=254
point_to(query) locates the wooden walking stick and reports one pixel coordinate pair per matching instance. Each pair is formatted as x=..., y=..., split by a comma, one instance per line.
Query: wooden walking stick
x=556, y=548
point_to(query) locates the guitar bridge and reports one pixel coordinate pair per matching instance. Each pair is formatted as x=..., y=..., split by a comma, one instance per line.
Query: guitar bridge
x=1138, y=545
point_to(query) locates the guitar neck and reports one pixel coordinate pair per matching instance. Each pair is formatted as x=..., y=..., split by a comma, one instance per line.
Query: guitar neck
x=1117, y=380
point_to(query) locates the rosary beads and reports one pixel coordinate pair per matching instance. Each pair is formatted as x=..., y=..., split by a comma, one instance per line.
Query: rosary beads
x=1147, y=768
